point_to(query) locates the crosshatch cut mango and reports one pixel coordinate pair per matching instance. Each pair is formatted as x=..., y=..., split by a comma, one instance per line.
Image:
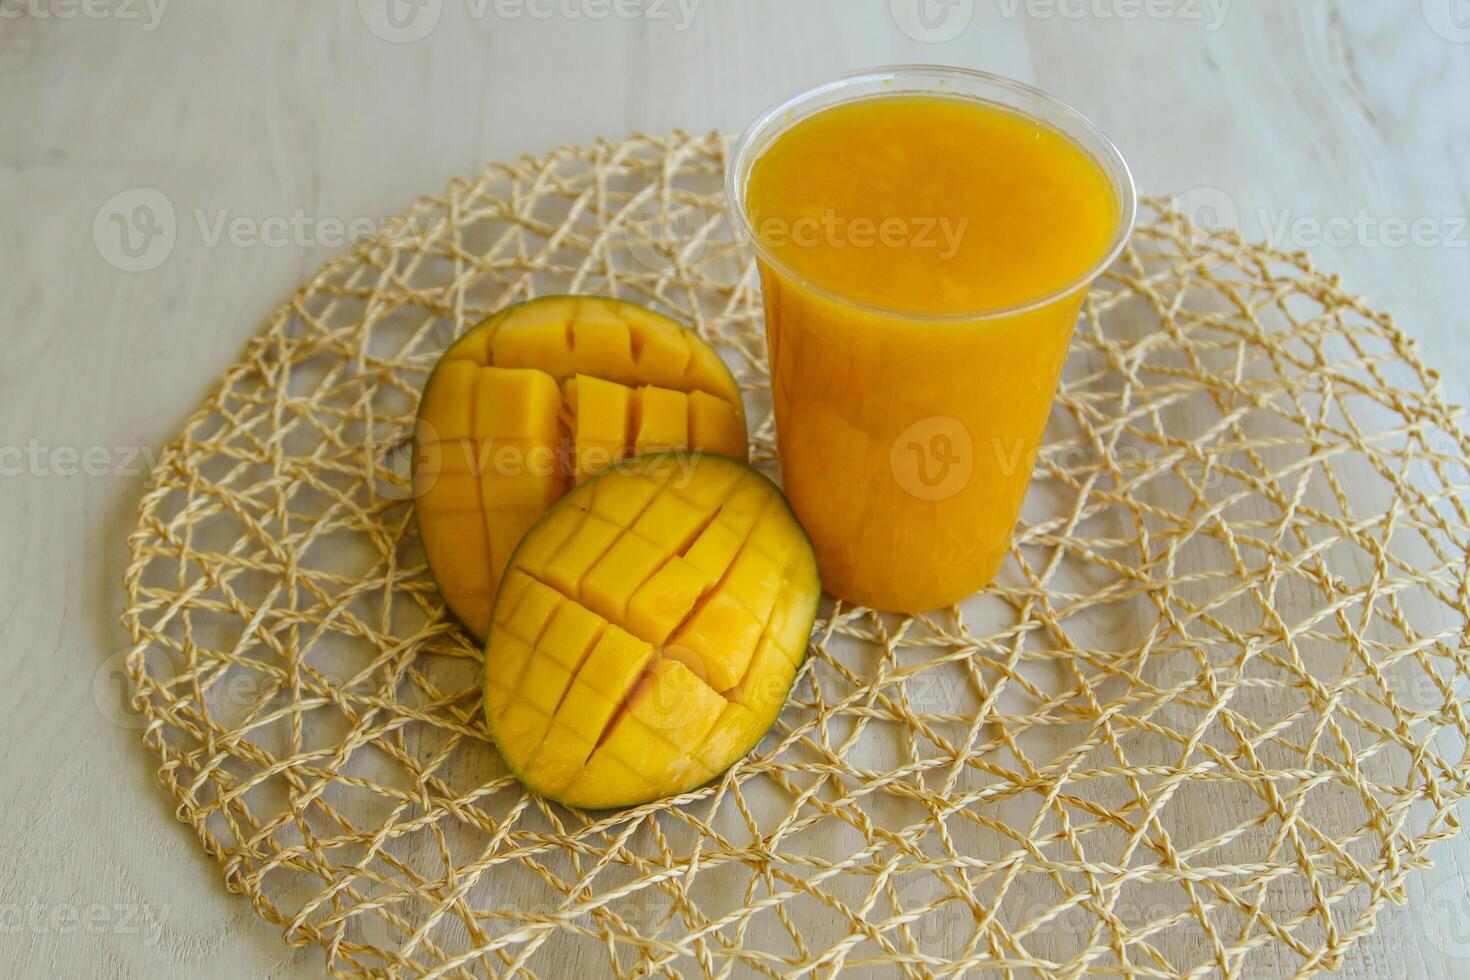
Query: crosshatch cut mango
x=648, y=630
x=537, y=398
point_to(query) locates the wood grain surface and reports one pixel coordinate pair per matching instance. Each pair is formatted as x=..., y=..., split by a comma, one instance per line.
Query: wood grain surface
x=270, y=130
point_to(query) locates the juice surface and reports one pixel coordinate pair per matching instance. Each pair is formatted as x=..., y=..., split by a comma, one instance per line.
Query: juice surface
x=931, y=204
x=907, y=442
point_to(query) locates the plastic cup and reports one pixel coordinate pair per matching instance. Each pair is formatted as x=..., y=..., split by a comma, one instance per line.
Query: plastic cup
x=907, y=439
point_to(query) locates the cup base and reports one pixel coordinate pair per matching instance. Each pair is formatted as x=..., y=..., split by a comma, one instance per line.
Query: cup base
x=907, y=598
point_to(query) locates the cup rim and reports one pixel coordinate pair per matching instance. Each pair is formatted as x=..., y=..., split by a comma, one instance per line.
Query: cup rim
x=1080, y=131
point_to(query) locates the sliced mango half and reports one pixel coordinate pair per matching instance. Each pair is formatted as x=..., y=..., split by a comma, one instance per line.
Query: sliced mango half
x=538, y=398
x=648, y=630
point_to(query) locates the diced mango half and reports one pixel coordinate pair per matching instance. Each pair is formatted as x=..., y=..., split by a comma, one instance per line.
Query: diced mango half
x=640, y=644
x=535, y=400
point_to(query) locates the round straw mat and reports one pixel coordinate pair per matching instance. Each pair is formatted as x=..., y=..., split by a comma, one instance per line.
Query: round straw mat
x=1205, y=722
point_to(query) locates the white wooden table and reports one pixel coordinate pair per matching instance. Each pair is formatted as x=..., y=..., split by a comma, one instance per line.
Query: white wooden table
x=270, y=131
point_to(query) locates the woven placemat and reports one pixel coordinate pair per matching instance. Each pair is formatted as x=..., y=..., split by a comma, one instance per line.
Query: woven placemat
x=1206, y=721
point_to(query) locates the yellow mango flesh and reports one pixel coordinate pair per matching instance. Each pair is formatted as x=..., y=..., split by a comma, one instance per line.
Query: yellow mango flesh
x=538, y=398
x=648, y=630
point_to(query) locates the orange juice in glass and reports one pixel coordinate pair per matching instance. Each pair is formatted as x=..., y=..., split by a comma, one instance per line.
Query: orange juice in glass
x=925, y=238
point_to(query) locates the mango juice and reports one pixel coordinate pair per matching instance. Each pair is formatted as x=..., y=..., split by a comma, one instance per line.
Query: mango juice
x=923, y=259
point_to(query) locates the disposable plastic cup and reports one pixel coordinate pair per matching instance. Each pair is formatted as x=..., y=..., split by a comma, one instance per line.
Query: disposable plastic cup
x=907, y=439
